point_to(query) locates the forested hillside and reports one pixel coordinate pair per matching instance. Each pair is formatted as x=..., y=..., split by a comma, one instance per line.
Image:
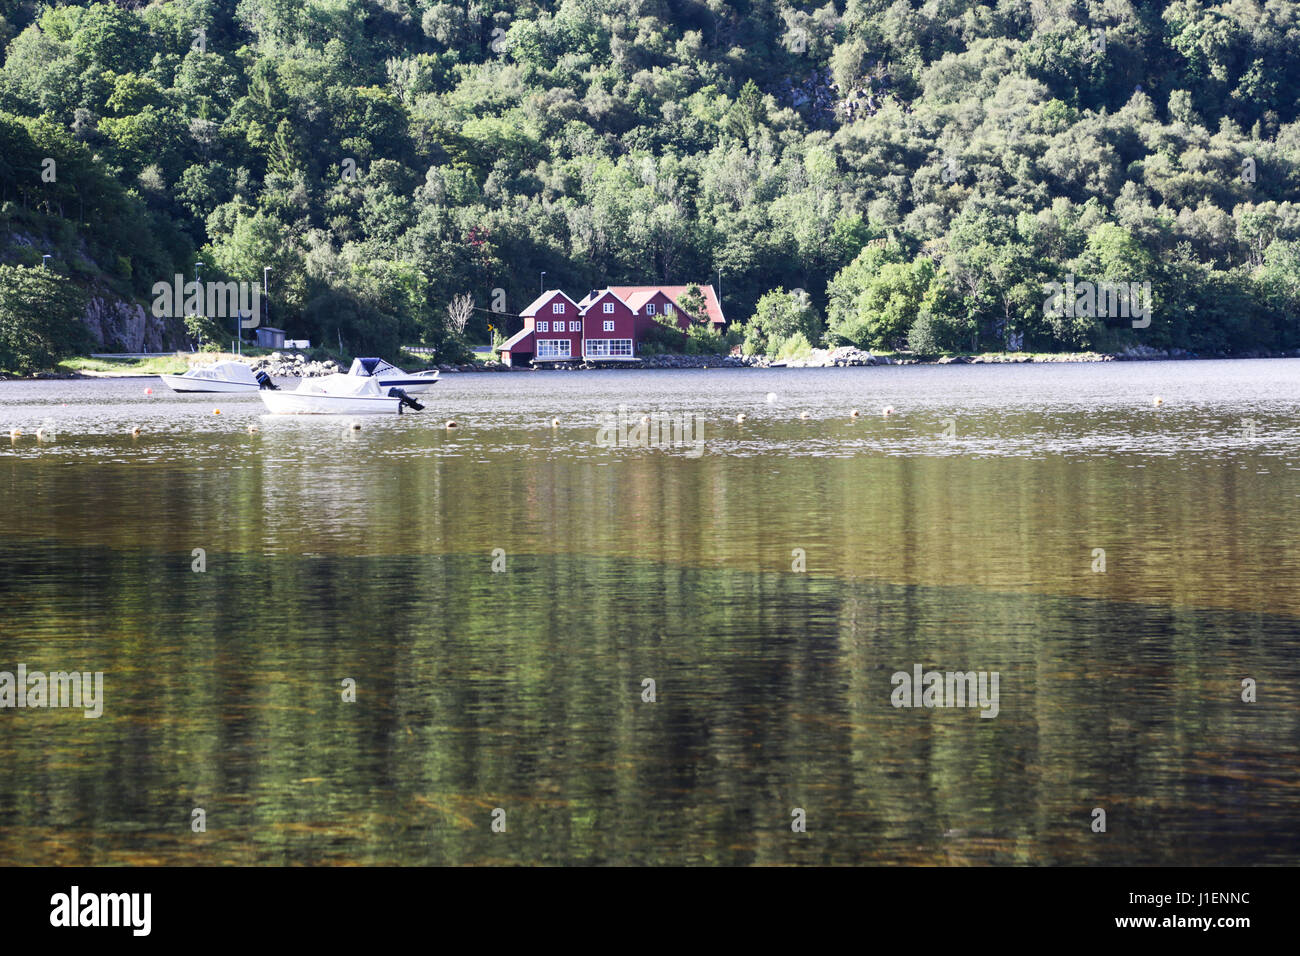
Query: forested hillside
x=888, y=171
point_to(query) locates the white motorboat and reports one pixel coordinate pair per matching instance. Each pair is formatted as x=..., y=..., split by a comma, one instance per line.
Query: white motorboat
x=221, y=377
x=390, y=376
x=339, y=394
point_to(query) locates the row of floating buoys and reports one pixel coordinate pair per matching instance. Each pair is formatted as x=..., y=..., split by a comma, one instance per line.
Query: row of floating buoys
x=741, y=418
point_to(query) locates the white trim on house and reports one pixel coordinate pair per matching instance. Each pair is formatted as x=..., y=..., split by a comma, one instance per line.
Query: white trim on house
x=554, y=349
x=607, y=348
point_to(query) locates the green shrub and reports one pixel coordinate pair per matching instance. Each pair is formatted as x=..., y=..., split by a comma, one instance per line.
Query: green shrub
x=40, y=319
x=702, y=340
x=796, y=346
x=921, y=338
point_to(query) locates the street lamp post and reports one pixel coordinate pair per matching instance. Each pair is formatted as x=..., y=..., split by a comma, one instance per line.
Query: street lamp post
x=266, y=293
x=542, y=283
x=45, y=261
x=199, y=289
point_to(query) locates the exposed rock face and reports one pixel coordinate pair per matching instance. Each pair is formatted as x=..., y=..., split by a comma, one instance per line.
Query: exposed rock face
x=120, y=326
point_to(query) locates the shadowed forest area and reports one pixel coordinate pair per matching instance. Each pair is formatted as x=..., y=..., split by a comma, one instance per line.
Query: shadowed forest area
x=881, y=174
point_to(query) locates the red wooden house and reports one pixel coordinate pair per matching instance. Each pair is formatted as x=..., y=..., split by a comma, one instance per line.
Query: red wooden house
x=607, y=325
x=649, y=301
x=552, y=332
x=610, y=328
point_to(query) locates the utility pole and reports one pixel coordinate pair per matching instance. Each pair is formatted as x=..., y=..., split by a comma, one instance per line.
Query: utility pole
x=266, y=293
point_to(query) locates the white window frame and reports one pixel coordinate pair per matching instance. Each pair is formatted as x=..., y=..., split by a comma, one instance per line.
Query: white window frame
x=554, y=348
x=668, y=309
x=543, y=326
x=557, y=308
x=609, y=325
x=609, y=308
x=575, y=325
x=649, y=308
x=607, y=348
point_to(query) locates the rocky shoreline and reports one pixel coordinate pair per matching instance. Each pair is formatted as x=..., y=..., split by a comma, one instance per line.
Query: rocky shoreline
x=297, y=365
x=847, y=356
x=277, y=365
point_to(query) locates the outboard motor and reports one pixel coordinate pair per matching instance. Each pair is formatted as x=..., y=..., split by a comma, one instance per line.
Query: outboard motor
x=264, y=382
x=406, y=400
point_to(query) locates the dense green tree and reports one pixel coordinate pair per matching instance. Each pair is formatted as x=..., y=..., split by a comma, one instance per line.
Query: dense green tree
x=780, y=316
x=40, y=319
x=386, y=157
x=876, y=298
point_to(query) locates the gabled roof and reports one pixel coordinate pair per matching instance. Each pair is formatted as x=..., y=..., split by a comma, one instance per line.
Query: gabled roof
x=591, y=298
x=639, y=298
x=642, y=294
x=515, y=339
x=542, y=299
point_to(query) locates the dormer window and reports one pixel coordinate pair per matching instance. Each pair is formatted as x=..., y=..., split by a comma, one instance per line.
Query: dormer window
x=649, y=308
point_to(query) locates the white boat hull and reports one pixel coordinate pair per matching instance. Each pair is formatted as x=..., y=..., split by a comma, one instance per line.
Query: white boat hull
x=387, y=375
x=299, y=403
x=411, y=384
x=179, y=383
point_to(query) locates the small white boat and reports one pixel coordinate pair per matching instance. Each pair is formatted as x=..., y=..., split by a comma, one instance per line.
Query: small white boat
x=221, y=377
x=339, y=394
x=390, y=376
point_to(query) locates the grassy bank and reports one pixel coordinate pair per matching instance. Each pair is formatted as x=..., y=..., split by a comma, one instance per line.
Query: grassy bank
x=110, y=368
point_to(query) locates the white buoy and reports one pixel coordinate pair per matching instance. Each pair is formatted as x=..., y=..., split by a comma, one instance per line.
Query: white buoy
x=15, y=432
x=771, y=398
x=1158, y=400
x=135, y=432
x=803, y=414
x=740, y=417
x=854, y=413
x=555, y=423
x=452, y=424
x=252, y=429
x=887, y=410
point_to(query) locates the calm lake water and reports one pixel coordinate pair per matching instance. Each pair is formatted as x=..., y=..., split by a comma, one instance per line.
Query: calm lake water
x=958, y=534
